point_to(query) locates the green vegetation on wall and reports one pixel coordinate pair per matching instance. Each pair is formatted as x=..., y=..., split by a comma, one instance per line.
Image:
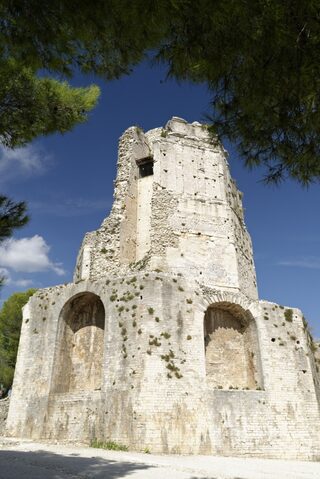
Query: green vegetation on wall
x=10, y=325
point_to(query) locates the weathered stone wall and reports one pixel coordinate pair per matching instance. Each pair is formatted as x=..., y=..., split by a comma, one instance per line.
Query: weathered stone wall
x=161, y=342
x=4, y=408
x=155, y=390
x=232, y=356
x=187, y=217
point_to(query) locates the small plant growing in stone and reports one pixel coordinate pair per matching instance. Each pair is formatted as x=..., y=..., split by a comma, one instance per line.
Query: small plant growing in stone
x=165, y=357
x=113, y=297
x=150, y=310
x=154, y=342
x=189, y=301
x=157, y=319
x=180, y=288
x=163, y=133
x=288, y=314
x=103, y=251
x=313, y=346
x=166, y=335
x=189, y=337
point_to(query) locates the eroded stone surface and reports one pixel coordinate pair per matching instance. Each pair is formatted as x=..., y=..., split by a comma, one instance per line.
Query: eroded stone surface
x=161, y=342
x=4, y=407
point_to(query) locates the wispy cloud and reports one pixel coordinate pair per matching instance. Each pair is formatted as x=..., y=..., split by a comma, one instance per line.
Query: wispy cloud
x=70, y=206
x=28, y=255
x=25, y=162
x=308, y=263
x=8, y=280
x=4, y=273
x=23, y=283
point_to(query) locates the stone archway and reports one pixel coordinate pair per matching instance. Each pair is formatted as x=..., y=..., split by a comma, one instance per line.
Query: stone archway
x=231, y=348
x=79, y=349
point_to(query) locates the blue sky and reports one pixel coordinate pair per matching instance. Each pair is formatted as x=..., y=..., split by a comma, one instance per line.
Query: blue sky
x=68, y=183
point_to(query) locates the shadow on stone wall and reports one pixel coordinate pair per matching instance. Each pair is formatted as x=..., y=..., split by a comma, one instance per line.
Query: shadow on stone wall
x=4, y=408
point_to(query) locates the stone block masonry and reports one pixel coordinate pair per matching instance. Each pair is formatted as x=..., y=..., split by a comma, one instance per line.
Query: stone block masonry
x=161, y=341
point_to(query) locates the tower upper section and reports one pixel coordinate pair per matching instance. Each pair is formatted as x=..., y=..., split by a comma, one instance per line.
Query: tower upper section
x=176, y=209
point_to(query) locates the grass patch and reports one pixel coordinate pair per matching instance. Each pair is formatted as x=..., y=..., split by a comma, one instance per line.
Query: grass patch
x=110, y=445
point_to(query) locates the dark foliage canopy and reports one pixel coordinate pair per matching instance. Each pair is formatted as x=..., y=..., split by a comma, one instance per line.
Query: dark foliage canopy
x=259, y=59
x=12, y=215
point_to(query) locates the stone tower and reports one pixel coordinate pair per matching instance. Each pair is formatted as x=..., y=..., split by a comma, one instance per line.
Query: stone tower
x=161, y=342
x=176, y=209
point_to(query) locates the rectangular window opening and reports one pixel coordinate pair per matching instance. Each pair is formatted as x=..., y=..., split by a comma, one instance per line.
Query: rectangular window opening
x=145, y=167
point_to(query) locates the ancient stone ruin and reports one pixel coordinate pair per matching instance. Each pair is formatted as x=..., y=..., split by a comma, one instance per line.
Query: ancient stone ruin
x=161, y=341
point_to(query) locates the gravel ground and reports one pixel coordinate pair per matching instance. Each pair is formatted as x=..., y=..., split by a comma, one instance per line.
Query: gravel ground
x=26, y=459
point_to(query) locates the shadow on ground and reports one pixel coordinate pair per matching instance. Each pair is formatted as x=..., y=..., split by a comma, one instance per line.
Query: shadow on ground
x=45, y=465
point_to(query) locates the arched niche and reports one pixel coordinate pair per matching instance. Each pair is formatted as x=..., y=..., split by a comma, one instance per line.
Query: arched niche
x=231, y=348
x=79, y=349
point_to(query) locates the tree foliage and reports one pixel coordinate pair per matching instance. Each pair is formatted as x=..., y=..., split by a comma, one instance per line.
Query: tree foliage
x=259, y=59
x=12, y=215
x=10, y=325
x=32, y=106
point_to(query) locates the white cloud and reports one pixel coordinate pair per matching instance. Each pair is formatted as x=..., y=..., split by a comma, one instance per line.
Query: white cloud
x=309, y=263
x=23, y=283
x=28, y=255
x=4, y=273
x=69, y=207
x=9, y=281
x=23, y=162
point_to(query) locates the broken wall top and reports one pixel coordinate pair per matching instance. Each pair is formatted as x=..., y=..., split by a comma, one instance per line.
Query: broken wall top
x=176, y=209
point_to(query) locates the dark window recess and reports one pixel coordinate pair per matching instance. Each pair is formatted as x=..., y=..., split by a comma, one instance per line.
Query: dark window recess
x=145, y=167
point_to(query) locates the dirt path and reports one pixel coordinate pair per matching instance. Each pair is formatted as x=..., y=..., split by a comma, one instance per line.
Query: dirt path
x=26, y=459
